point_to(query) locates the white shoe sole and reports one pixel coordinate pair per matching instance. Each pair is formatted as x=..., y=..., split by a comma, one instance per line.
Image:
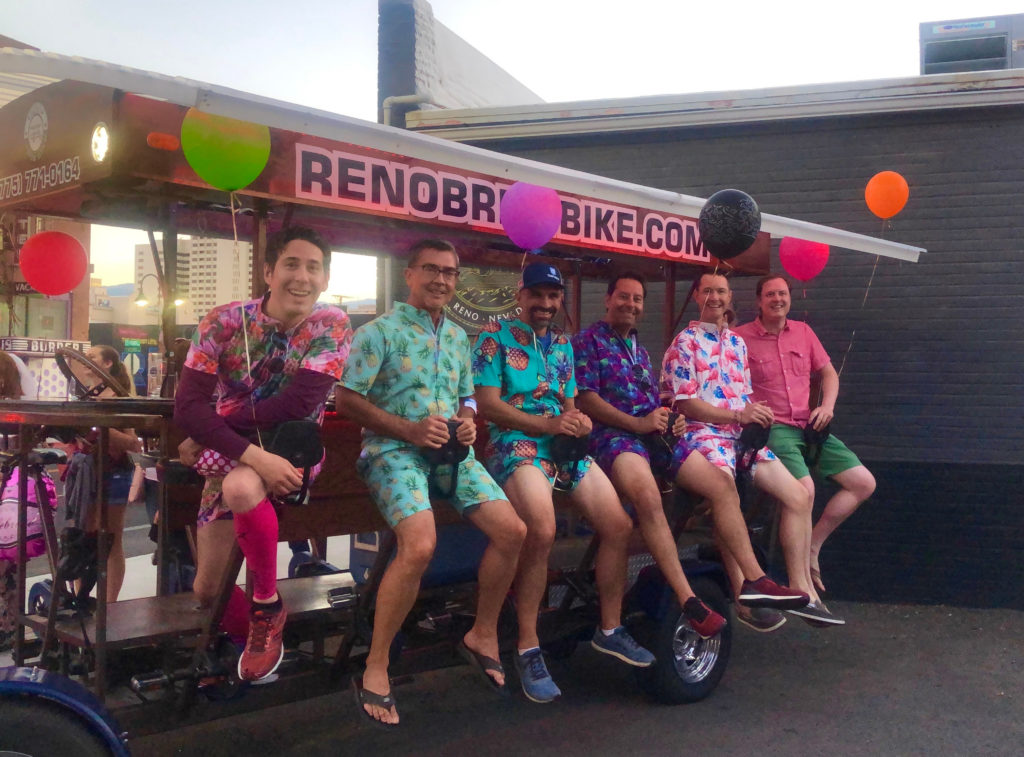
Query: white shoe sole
x=619, y=656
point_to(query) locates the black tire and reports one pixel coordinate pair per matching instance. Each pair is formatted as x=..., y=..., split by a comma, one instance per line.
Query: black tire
x=688, y=668
x=38, y=728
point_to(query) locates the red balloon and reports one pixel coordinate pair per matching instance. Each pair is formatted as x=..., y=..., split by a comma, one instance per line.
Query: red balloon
x=802, y=259
x=53, y=262
x=530, y=214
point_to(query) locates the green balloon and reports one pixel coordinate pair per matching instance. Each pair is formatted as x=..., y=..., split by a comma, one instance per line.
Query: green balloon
x=225, y=153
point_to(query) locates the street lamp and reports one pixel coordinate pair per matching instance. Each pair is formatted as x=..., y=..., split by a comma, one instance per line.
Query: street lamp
x=140, y=298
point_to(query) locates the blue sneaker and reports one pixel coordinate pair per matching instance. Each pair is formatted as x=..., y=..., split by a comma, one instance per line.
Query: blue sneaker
x=620, y=644
x=534, y=676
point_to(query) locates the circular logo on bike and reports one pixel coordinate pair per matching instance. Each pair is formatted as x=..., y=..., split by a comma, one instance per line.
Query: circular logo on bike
x=35, y=131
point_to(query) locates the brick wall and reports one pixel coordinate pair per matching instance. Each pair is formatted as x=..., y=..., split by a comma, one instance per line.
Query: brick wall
x=932, y=393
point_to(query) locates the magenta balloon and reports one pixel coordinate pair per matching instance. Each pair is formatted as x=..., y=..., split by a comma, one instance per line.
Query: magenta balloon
x=530, y=214
x=802, y=259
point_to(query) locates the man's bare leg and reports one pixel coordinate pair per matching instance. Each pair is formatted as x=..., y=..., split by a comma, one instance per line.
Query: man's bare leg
x=596, y=500
x=498, y=520
x=395, y=597
x=631, y=475
x=717, y=486
x=855, y=485
x=529, y=491
x=794, y=522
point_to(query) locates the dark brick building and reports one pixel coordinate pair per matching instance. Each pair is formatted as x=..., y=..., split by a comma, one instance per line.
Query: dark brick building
x=931, y=395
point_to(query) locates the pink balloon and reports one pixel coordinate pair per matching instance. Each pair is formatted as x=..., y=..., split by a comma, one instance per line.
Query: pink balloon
x=802, y=260
x=530, y=214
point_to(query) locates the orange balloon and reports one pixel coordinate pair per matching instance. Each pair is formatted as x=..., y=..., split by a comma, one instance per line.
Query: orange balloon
x=886, y=194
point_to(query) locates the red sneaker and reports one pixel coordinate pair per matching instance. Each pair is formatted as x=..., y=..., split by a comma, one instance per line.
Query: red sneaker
x=264, y=648
x=702, y=618
x=764, y=592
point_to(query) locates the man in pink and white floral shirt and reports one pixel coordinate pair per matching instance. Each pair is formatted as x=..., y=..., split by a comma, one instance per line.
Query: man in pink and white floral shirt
x=706, y=374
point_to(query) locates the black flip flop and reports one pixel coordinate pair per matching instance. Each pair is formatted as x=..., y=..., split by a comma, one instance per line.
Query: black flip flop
x=365, y=696
x=482, y=663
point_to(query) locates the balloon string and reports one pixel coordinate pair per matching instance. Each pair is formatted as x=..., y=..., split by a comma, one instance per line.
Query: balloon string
x=862, y=303
x=245, y=330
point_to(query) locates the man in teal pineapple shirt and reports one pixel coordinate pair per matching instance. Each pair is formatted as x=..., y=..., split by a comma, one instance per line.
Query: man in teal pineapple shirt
x=526, y=387
x=408, y=374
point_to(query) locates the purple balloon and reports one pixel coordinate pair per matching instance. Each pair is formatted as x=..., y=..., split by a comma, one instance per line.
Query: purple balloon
x=530, y=214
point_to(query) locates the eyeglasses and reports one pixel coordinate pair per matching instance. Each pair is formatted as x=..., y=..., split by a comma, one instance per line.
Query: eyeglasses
x=449, y=274
x=640, y=374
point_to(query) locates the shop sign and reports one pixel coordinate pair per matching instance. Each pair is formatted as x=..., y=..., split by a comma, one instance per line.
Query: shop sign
x=42, y=347
x=403, y=188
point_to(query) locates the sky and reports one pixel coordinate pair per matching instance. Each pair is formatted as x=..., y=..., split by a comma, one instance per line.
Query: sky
x=323, y=53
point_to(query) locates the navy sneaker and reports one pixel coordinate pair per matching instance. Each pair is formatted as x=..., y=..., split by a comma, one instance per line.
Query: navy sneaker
x=620, y=644
x=533, y=675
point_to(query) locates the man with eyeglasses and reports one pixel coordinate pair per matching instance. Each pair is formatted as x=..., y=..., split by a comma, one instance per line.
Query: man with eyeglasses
x=705, y=371
x=618, y=389
x=526, y=389
x=409, y=375
x=265, y=361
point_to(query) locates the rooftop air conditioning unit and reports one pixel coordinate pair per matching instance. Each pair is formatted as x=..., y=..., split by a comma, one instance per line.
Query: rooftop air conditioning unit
x=973, y=44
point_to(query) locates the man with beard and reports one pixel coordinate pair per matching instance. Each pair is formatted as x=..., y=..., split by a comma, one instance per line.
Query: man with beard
x=784, y=355
x=618, y=390
x=408, y=375
x=526, y=389
x=705, y=371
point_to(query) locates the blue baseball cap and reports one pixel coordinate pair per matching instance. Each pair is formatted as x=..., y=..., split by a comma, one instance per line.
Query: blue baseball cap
x=541, y=274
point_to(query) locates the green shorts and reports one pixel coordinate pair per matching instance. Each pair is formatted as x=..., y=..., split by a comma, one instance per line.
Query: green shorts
x=397, y=480
x=787, y=442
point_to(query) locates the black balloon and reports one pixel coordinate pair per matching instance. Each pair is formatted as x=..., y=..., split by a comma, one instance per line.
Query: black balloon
x=728, y=223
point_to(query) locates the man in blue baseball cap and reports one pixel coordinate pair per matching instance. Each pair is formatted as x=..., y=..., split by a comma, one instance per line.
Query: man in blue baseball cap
x=526, y=388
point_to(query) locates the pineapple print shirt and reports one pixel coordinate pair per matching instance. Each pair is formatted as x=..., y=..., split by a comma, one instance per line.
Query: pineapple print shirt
x=406, y=367
x=531, y=379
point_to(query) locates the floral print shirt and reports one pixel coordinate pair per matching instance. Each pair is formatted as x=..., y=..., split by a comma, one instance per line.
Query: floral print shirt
x=509, y=355
x=619, y=372
x=406, y=366
x=319, y=343
x=706, y=363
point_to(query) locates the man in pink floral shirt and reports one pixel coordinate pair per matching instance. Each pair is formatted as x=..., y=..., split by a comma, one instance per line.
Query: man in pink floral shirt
x=705, y=372
x=266, y=361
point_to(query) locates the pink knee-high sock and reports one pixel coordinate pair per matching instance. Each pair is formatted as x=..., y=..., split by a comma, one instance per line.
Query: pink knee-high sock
x=235, y=621
x=257, y=537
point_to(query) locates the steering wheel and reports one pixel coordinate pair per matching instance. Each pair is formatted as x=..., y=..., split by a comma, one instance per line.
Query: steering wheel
x=71, y=361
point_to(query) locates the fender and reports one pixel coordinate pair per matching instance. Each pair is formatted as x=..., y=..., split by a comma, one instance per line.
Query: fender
x=43, y=684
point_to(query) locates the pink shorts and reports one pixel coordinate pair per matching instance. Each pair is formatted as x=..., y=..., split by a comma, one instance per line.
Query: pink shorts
x=720, y=448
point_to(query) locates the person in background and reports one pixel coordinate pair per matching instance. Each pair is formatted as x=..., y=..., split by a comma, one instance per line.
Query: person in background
x=13, y=387
x=119, y=471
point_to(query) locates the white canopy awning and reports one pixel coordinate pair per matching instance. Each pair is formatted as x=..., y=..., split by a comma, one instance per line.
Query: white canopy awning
x=22, y=71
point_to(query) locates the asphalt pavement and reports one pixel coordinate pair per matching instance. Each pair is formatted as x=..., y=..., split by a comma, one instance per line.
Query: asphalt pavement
x=897, y=680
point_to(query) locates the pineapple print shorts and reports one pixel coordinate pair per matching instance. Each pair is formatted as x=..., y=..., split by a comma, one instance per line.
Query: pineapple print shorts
x=397, y=480
x=506, y=454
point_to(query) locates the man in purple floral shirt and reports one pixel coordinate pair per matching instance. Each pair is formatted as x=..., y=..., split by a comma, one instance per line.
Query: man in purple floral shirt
x=618, y=389
x=266, y=361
